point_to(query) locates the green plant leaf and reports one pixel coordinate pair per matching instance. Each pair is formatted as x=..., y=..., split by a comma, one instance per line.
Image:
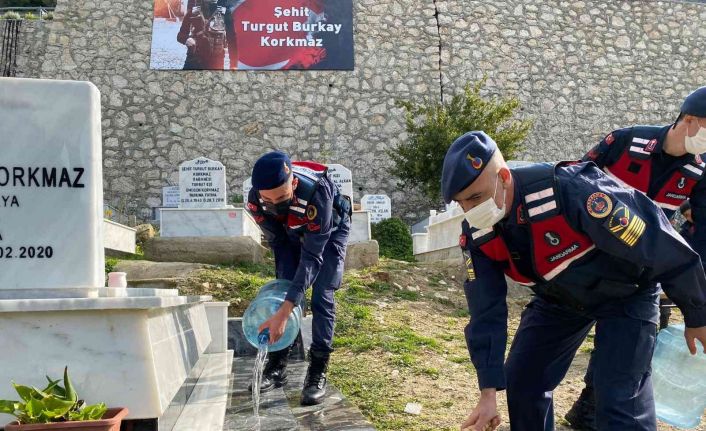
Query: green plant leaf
x=55, y=407
x=70, y=392
x=33, y=409
x=9, y=407
x=89, y=413
x=55, y=388
x=38, y=394
x=25, y=392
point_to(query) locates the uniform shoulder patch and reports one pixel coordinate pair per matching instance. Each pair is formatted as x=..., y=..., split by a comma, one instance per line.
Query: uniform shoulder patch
x=253, y=207
x=311, y=212
x=625, y=225
x=599, y=205
x=463, y=240
x=470, y=270
x=609, y=139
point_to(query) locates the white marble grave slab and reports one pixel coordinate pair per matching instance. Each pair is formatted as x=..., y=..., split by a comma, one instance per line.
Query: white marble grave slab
x=202, y=184
x=360, y=227
x=170, y=197
x=135, y=358
x=205, y=410
x=119, y=237
x=343, y=177
x=380, y=207
x=178, y=222
x=217, y=314
x=51, y=189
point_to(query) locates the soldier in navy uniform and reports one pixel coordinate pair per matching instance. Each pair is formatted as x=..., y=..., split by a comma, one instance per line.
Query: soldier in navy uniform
x=593, y=252
x=306, y=221
x=666, y=163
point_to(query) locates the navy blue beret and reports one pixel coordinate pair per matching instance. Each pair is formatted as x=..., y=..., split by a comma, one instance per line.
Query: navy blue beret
x=695, y=103
x=271, y=171
x=464, y=162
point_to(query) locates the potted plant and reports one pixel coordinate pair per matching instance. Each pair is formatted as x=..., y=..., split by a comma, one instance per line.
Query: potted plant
x=58, y=407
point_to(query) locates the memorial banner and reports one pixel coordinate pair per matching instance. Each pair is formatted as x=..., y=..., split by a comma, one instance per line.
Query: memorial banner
x=252, y=35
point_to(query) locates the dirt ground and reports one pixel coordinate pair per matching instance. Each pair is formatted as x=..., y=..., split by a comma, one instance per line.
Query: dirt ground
x=439, y=375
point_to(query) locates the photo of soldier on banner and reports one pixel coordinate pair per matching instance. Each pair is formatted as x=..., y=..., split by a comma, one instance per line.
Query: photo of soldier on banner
x=252, y=35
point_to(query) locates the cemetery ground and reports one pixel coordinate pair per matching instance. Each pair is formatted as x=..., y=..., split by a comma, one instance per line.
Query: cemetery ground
x=399, y=340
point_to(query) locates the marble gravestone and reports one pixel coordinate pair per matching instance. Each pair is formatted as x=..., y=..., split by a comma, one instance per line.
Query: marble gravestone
x=170, y=199
x=170, y=196
x=247, y=186
x=379, y=206
x=343, y=177
x=203, y=210
x=130, y=348
x=51, y=188
x=202, y=184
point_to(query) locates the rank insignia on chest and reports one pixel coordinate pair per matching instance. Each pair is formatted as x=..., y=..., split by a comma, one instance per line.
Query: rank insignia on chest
x=469, y=265
x=625, y=225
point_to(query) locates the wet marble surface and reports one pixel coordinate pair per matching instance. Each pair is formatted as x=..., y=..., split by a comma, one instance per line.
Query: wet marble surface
x=280, y=409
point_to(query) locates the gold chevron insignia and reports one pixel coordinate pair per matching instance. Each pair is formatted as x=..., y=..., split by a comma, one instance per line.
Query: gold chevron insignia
x=625, y=225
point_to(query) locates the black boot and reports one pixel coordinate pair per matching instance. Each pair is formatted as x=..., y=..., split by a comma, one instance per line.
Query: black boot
x=315, y=383
x=582, y=415
x=274, y=374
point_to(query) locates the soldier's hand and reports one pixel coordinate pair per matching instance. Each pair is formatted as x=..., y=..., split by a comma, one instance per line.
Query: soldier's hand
x=484, y=416
x=693, y=334
x=190, y=42
x=278, y=322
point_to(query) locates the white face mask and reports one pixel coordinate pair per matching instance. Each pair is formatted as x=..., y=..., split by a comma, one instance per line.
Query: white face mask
x=696, y=144
x=487, y=214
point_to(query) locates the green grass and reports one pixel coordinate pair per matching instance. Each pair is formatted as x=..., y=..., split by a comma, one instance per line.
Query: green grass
x=369, y=388
x=461, y=312
x=237, y=284
x=407, y=295
x=110, y=264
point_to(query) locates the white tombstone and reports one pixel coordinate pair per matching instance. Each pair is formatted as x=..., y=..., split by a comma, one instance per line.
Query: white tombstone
x=51, y=188
x=342, y=176
x=170, y=196
x=247, y=186
x=54, y=310
x=379, y=206
x=202, y=184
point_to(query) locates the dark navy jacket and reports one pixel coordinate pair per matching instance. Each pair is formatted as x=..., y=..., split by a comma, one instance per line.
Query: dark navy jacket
x=655, y=253
x=298, y=241
x=607, y=153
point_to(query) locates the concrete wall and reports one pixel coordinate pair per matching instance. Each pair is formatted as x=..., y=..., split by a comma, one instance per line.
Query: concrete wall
x=580, y=69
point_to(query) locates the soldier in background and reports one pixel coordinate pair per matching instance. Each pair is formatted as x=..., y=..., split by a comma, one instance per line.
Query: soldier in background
x=203, y=31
